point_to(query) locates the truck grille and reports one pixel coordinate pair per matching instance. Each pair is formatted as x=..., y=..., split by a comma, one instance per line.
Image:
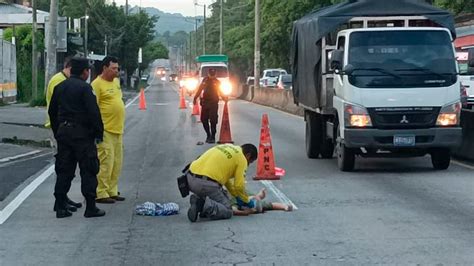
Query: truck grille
x=403, y=117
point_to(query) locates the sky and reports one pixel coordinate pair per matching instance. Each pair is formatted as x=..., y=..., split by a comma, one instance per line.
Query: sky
x=185, y=7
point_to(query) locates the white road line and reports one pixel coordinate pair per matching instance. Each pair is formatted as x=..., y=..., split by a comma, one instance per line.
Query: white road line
x=280, y=195
x=463, y=164
x=4, y=160
x=25, y=193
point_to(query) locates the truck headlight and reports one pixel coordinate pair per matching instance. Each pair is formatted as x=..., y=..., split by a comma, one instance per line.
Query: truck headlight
x=356, y=116
x=191, y=84
x=449, y=115
x=226, y=87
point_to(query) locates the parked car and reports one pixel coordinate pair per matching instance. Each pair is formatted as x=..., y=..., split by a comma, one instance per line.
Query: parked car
x=270, y=76
x=285, y=82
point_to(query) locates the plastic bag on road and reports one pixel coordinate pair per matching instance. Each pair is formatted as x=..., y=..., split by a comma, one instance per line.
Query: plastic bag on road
x=157, y=209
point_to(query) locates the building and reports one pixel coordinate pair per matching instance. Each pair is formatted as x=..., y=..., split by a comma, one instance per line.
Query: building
x=464, y=32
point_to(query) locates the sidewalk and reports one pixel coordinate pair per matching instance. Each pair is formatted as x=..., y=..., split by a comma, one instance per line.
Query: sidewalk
x=22, y=131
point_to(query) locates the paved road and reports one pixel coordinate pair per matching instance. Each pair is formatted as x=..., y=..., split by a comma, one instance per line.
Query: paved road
x=387, y=212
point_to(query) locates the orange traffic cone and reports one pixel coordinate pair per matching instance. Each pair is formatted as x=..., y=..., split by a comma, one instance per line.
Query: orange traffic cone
x=182, y=101
x=142, y=101
x=265, y=161
x=196, y=110
x=225, y=135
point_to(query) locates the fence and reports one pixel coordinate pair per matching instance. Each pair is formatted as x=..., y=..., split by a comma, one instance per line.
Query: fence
x=8, y=85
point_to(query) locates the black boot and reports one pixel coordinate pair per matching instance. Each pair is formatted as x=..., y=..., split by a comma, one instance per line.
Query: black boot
x=70, y=208
x=60, y=208
x=72, y=203
x=92, y=210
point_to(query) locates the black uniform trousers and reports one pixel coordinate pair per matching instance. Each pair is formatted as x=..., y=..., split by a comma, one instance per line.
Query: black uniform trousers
x=73, y=151
x=209, y=117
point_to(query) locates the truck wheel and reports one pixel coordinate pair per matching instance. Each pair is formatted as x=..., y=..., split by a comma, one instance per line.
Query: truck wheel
x=441, y=158
x=345, y=156
x=313, y=134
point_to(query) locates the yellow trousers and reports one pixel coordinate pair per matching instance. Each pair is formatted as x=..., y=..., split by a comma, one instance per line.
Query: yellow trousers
x=110, y=156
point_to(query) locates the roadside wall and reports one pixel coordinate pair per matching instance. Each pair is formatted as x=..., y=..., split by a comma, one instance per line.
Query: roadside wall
x=8, y=85
x=283, y=100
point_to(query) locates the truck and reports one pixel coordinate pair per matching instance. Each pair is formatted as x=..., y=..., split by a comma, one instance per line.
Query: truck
x=466, y=76
x=377, y=78
x=219, y=63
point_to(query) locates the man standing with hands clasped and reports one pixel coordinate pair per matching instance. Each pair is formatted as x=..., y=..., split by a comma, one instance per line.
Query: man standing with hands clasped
x=76, y=124
x=109, y=98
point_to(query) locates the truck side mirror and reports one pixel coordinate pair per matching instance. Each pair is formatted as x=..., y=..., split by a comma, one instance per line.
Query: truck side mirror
x=470, y=57
x=336, y=58
x=348, y=69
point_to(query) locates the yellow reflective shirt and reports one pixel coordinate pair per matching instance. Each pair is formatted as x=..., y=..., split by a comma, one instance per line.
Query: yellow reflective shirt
x=53, y=82
x=225, y=164
x=112, y=108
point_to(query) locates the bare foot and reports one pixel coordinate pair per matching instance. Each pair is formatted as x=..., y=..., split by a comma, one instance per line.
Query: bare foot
x=261, y=194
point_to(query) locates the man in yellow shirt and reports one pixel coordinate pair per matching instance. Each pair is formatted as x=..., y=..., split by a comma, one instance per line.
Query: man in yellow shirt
x=112, y=109
x=55, y=80
x=222, y=165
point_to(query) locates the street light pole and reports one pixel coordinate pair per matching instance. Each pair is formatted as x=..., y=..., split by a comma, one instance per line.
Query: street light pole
x=257, y=45
x=221, y=32
x=51, y=47
x=204, y=33
x=86, y=28
x=34, y=56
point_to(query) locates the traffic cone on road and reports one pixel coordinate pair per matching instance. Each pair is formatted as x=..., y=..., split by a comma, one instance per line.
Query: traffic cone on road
x=196, y=110
x=182, y=101
x=225, y=135
x=265, y=161
x=142, y=101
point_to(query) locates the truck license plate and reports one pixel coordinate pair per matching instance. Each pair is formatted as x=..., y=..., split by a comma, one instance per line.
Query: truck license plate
x=405, y=140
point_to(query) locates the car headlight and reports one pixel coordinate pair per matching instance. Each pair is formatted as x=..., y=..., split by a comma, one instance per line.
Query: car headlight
x=226, y=88
x=449, y=115
x=191, y=84
x=356, y=116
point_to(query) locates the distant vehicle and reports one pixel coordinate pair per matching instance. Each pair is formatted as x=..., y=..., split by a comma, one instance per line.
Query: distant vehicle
x=161, y=72
x=145, y=77
x=173, y=78
x=285, y=82
x=189, y=83
x=467, y=78
x=270, y=77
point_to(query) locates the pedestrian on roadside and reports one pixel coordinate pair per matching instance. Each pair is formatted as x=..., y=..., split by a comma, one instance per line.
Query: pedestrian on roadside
x=55, y=80
x=109, y=98
x=77, y=127
x=210, y=89
x=221, y=166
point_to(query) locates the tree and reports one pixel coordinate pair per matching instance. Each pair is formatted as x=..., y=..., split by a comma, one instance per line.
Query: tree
x=152, y=51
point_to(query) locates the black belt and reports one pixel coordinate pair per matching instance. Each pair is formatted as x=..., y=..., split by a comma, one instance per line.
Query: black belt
x=204, y=178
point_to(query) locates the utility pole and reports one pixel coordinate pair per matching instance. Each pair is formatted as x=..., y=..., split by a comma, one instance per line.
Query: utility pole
x=126, y=7
x=105, y=45
x=52, y=42
x=257, y=45
x=221, y=32
x=204, y=33
x=195, y=37
x=86, y=34
x=34, y=58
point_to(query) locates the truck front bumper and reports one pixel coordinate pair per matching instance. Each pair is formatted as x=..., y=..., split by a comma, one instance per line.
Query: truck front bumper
x=424, y=138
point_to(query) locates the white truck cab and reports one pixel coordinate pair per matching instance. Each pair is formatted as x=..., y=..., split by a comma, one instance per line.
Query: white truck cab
x=374, y=83
x=219, y=63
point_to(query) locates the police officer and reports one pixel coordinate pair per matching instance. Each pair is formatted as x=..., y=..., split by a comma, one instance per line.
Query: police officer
x=77, y=127
x=210, y=103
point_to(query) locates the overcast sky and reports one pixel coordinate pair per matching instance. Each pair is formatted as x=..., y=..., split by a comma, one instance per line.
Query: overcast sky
x=185, y=7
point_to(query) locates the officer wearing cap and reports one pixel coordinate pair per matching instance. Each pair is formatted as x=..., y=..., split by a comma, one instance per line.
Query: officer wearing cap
x=77, y=127
x=210, y=104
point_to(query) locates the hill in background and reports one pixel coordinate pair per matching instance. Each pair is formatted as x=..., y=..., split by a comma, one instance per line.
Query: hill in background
x=172, y=22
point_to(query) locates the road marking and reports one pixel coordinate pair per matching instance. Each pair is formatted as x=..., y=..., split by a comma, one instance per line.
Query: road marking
x=280, y=195
x=25, y=193
x=4, y=160
x=463, y=164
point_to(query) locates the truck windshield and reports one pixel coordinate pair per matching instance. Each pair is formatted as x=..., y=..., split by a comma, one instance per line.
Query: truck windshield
x=402, y=59
x=221, y=71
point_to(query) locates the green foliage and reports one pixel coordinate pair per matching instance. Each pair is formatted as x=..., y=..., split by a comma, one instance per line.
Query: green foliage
x=152, y=51
x=24, y=46
x=456, y=6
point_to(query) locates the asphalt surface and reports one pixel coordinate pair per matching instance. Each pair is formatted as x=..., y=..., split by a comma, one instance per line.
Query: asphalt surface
x=389, y=211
